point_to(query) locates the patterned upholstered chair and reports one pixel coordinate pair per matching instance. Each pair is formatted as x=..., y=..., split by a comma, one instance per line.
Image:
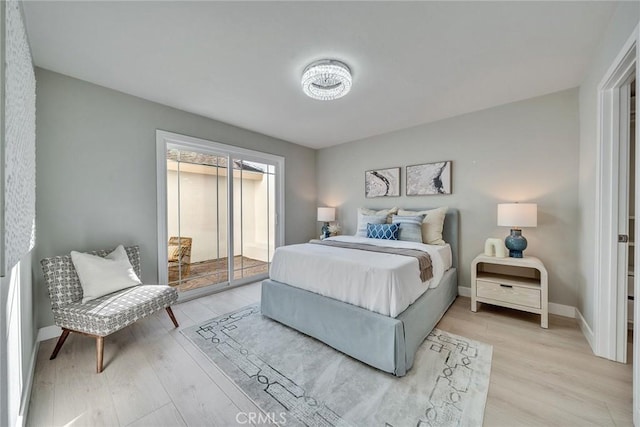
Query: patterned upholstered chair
x=105, y=315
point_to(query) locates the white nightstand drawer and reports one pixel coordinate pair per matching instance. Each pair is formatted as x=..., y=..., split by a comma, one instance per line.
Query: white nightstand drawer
x=509, y=293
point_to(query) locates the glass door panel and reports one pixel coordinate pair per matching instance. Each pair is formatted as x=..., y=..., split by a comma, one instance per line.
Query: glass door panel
x=197, y=219
x=254, y=218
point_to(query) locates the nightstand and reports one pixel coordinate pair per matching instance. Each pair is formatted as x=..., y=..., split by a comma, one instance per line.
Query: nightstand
x=518, y=283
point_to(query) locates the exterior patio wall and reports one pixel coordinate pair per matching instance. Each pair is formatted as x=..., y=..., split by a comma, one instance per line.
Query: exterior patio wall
x=206, y=223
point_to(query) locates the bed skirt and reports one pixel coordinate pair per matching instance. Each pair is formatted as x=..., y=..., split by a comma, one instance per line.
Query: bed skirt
x=383, y=342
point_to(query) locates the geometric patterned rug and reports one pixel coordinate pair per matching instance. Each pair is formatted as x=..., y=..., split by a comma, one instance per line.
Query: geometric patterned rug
x=299, y=381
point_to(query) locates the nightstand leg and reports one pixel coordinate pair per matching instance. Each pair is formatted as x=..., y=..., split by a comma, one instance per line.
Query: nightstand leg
x=474, y=304
x=544, y=321
x=544, y=316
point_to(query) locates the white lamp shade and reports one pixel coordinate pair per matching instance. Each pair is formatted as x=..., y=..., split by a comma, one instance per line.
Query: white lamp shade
x=518, y=215
x=326, y=214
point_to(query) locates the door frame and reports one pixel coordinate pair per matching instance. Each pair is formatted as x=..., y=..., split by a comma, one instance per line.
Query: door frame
x=607, y=198
x=163, y=140
x=610, y=322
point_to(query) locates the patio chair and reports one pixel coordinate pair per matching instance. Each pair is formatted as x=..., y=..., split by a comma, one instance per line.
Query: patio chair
x=104, y=315
x=179, y=257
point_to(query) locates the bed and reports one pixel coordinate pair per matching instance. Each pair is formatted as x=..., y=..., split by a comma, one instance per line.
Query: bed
x=384, y=341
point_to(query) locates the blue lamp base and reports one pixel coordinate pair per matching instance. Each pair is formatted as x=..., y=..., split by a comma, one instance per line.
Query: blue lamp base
x=516, y=243
x=325, y=231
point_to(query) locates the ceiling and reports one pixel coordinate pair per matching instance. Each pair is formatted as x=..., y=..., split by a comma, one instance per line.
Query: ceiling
x=241, y=62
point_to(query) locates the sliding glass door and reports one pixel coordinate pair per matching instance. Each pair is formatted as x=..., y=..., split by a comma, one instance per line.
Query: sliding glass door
x=218, y=211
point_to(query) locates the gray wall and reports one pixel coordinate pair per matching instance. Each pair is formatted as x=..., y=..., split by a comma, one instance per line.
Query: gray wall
x=622, y=23
x=525, y=151
x=96, y=180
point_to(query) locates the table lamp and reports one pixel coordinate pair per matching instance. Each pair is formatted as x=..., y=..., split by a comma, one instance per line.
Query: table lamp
x=326, y=215
x=516, y=216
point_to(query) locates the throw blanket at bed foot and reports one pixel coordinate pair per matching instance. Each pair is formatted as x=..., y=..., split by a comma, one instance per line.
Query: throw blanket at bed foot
x=424, y=260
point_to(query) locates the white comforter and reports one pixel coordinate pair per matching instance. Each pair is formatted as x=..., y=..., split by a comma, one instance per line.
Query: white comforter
x=384, y=283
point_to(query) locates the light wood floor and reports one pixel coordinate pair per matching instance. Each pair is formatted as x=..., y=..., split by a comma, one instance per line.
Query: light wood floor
x=154, y=377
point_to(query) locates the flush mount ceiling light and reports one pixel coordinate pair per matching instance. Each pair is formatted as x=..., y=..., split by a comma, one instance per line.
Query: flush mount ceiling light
x=326, y=79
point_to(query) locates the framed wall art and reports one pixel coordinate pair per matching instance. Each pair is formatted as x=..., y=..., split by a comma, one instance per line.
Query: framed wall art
x=429, y=179
x=382, y=183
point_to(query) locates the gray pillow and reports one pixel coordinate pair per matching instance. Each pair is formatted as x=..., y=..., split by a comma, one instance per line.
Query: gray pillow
x=363, y=220
x=410, y=227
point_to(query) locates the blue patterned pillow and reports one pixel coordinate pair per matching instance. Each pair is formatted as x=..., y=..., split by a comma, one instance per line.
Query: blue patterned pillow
x=383, y=231
x=410, y=227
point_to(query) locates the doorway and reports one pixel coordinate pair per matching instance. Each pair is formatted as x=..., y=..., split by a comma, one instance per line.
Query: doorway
x=219, y=214
x=616, y=232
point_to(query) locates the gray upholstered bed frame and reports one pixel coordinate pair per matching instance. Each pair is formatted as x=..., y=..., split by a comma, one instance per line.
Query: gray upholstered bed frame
x=383, y=342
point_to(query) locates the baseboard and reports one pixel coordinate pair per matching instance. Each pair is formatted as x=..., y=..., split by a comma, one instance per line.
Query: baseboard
x=554, y=308
x=562, y=310
x=48, y=332
x=586, y=330
x=44, y=334
x=464, y=291
x=27, y=387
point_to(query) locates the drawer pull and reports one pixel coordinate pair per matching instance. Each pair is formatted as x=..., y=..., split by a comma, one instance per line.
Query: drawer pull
x=506, y=286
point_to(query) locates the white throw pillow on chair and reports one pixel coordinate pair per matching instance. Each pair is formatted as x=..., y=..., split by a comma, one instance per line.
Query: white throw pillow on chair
x=101, y=276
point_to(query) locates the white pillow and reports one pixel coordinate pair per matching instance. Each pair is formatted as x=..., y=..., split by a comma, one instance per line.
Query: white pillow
x=432, y=224
x=361, y=229
x=368, y=219
x=101, y=276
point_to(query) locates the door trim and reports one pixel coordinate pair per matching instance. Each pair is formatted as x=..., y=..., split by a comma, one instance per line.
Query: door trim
x=163, y=140
x=606, y=291
x=622, y=269
x=606, y=288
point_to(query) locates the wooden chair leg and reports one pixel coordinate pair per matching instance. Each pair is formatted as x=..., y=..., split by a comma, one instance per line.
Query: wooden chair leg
x=99, y=353
x=61, y=340
x=173, y=318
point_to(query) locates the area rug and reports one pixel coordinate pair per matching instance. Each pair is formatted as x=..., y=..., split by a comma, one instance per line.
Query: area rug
x=299, y=381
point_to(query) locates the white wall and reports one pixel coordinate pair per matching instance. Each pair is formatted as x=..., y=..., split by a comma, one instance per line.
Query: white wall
x=17, y=331
x=623, y=22
x=525, y=151
x=252, y=224
x=18, y=339
x=4, y=382
x=262, y=246
x=199, y=196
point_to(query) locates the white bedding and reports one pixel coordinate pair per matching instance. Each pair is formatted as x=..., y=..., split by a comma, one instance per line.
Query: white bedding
x=384, y=283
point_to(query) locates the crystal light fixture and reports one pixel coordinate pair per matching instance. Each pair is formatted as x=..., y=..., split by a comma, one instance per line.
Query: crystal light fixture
x=326, y=79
